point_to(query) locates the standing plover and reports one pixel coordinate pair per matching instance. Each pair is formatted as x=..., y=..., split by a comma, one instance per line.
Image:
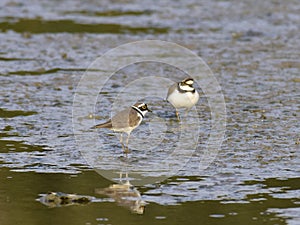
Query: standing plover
x=126, y=121
x=183, y=95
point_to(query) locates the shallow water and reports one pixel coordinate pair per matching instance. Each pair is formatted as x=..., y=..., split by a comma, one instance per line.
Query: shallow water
x=253, y=51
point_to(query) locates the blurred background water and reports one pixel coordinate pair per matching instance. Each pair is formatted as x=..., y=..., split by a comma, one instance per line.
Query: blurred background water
x=252, y=48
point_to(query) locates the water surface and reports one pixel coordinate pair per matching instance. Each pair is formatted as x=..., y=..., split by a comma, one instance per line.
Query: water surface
x=253, y=51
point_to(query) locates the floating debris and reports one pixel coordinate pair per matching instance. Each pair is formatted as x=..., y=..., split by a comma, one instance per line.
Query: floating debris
x=58, y=199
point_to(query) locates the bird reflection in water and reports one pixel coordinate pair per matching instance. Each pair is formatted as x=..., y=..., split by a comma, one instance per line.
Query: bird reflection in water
x=126, y=195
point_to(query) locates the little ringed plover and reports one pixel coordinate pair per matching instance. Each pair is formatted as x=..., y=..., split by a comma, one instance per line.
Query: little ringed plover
x=183, y=95
x=126, y=121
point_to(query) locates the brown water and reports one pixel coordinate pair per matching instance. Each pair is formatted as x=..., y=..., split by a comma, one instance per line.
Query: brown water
x=252, y=48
